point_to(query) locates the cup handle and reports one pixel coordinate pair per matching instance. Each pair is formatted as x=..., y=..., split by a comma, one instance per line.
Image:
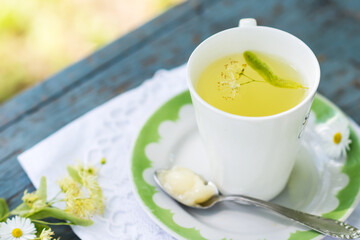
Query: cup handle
x=247, y=22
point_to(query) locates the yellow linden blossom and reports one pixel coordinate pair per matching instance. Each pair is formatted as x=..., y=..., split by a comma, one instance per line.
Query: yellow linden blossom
x=46, y=234
x=91, y=170
x=33, y=200
x=67, y=183
x=82, y=207
x=30, y=198
x=84, y=203
x=91, y=184
x=85, y=199
x=231, y=76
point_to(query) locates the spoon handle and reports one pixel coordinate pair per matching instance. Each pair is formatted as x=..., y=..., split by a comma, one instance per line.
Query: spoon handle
x=325, y=226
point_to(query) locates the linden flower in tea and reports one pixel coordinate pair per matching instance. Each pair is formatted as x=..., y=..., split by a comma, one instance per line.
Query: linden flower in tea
x=251, y=84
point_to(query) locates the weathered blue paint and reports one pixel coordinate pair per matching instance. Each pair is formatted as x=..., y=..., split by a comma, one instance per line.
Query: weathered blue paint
x=330, y=28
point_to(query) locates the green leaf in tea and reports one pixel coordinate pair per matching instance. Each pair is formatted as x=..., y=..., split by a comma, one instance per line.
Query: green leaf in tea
x=267, y=74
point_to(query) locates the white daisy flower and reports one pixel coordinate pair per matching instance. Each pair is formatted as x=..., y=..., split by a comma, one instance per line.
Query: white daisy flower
x=17, y=228
x=335, y=137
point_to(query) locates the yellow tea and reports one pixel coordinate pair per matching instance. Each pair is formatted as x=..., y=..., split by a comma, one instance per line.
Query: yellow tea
x=251, y=84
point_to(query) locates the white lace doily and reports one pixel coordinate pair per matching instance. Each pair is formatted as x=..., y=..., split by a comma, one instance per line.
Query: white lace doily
x=107, y=131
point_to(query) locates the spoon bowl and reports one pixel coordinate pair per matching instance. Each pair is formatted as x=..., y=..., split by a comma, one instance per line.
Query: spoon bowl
x=216, y=198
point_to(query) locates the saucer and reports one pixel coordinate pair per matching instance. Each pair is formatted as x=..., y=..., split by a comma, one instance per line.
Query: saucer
x=318, y=184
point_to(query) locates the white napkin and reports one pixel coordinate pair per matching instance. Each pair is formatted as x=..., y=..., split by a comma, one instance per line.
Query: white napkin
x=108, y=131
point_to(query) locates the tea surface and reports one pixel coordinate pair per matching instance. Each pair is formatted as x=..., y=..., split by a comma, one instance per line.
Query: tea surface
x=251, y=84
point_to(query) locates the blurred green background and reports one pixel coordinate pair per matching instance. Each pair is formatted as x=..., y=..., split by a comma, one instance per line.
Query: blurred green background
x=40, y=37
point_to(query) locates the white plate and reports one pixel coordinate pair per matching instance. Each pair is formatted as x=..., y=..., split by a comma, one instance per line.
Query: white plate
x=318, y=184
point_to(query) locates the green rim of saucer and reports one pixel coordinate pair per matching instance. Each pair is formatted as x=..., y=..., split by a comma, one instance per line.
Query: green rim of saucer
x=323, y=109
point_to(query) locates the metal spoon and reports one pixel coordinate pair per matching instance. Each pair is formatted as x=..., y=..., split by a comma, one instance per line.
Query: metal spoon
x=322, y=225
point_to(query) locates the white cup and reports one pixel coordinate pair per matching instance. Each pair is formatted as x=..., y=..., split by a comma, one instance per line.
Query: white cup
x=252, y=155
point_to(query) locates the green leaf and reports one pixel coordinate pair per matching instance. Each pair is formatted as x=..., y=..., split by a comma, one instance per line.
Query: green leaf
x=59, y=214
x=21, y=210
x=267, y=74
x=74, y=174
x=4, y=209
x=42, y=189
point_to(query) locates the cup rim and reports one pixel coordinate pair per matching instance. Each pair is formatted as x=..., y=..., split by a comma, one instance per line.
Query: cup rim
x=309, y=96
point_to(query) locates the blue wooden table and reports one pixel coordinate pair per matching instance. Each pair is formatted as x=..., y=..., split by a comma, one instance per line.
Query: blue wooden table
x=330, y=27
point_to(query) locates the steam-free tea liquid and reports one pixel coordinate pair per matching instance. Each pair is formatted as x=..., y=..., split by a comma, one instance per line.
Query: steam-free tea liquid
x=251, y=84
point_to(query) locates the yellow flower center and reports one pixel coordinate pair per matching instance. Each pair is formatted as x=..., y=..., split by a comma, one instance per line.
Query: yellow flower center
x=337, y=138
x=17, y=232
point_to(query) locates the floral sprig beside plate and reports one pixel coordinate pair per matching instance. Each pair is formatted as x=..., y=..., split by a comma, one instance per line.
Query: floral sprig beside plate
x=318, y=184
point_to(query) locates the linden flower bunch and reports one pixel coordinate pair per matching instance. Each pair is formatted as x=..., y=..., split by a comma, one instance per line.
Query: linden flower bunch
x=80, y=192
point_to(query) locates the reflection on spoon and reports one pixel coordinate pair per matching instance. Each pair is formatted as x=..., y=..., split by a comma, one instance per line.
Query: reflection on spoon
x=191, y=190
